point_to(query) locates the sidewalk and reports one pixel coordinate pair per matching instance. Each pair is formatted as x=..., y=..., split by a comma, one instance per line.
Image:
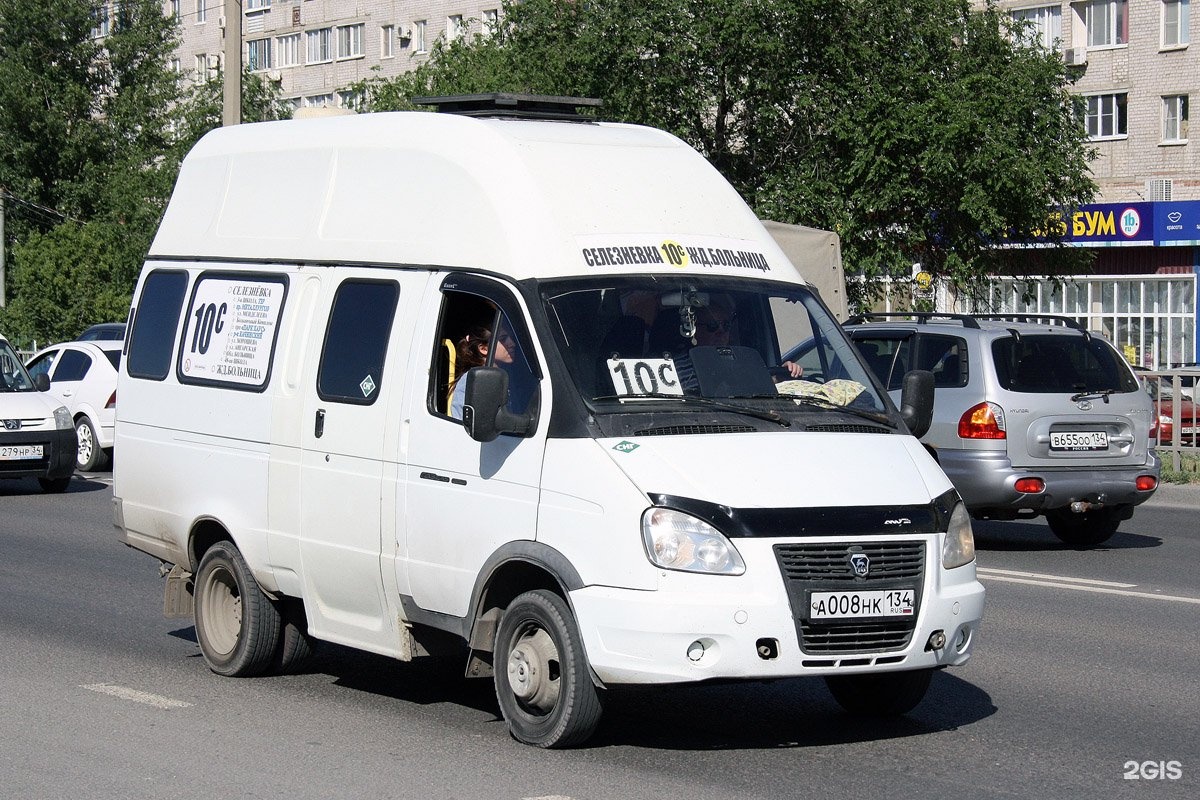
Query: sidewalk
x=1176, y=495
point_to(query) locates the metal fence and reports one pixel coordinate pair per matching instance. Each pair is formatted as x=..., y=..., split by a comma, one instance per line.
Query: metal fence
x=1174, y=395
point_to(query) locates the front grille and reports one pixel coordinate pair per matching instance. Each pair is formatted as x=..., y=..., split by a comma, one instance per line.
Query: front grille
x=687, y=430
x=24, y=465
x=826, y=567
x=858, y=637
x=831, y=562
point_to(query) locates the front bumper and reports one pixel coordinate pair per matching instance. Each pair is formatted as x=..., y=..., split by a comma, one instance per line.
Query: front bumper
x=58, y=454
x=706, y=627
x=987, y=483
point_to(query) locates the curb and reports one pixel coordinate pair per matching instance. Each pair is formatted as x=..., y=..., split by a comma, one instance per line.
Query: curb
x=1176, y=495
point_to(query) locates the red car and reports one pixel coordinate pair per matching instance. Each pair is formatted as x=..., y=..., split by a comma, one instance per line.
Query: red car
x=1160, y=387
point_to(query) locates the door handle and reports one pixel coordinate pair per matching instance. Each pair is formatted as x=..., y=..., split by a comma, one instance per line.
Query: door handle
x=319, y=426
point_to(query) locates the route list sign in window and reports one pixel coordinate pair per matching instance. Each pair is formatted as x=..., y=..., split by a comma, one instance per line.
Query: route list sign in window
x=230, y=332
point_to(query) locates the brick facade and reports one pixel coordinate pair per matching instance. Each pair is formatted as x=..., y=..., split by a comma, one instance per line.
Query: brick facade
x=1145, y=71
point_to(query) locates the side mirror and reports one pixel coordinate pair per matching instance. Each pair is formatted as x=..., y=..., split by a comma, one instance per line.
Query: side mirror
x=916, y=401
x=484, y=414
x=42, y=382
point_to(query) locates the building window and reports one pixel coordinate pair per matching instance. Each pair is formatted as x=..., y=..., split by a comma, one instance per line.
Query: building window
x=387, y=41
x=175, y=10
x=419, y=36
x=176, y=66
x=257, y=5
x=258, y=54
x=454, y=27
x=1043, y=26
x=319, y=101
x=1175, y=118
x=1107, y=22
x=202, y=67
x=287, y=50
x=350, y=41
x=1176, y=17
x=103, y=22
x=491, y=21
x=1107, y=117
x=319, y=45
x=349, y=99
x=201, y=11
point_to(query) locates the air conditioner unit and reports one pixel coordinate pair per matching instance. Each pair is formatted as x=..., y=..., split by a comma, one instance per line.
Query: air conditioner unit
x=1159, y=190
x=1076, y=56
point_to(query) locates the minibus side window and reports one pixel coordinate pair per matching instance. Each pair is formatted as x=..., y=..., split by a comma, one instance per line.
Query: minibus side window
x=356, y=340
x=152, y=341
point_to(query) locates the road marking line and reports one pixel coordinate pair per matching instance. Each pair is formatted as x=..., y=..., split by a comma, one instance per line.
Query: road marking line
x=1043, y=576
x=125, y=693
x=1096, y=589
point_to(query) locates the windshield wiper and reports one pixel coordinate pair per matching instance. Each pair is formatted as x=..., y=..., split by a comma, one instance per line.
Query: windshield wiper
x=825, y=405
x=1093, y=394
x=768, y=415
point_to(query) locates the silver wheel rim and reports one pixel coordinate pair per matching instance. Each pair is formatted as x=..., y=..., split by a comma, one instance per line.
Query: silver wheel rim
x=83, y=432
x=221, y=610
x=534, y=671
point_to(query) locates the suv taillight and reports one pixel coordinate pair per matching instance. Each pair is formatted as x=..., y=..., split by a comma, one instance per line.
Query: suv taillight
x=982, y=421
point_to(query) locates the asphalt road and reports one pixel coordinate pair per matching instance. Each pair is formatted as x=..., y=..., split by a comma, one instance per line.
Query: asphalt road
x=1083, y=685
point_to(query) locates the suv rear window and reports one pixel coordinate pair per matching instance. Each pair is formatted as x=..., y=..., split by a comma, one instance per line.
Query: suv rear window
x=1060, y=364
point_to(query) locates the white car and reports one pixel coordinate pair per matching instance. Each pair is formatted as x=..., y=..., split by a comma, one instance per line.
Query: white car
x=83, y=376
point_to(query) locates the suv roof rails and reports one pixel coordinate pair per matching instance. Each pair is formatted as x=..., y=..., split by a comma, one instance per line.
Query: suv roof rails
x=967, y=320
x=519, y=106
x=1021, y=317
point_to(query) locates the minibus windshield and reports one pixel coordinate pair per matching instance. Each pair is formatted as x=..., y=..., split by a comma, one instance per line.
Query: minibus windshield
x=13, y=377
x=631, y=342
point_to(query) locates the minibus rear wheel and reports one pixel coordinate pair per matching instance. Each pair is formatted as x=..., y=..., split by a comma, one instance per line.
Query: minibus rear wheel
x=236, y=624
x=542, y=679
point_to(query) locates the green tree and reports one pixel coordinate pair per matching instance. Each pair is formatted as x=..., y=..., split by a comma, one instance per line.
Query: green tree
x=50, y=96
x=92, y=133
x=921, y=130
x=70, y=277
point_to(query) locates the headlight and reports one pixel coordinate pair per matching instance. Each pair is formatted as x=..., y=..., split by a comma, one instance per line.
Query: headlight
x=959, y=548
x=675, y=540
x=62, y=418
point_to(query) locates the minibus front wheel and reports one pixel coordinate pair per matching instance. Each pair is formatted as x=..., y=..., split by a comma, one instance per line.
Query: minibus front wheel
x=542, y=680
x=237, y=625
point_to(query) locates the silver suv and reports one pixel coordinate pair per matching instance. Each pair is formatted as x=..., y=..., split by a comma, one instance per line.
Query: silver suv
x=1032, y=415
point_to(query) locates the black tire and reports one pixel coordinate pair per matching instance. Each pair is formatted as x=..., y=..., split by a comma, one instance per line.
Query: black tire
x=880, y=694
x=1086, y=529
x=542, y=679
x=90, y=456
x=237, y=625
x=296, y=648
x=54, y=485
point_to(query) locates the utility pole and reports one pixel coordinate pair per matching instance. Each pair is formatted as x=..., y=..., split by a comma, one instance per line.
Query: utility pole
x=2, y=284
x=231, y=105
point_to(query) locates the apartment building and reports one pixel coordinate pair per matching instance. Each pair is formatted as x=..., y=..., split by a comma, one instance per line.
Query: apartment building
x=314, y=50
x=1138, y=64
